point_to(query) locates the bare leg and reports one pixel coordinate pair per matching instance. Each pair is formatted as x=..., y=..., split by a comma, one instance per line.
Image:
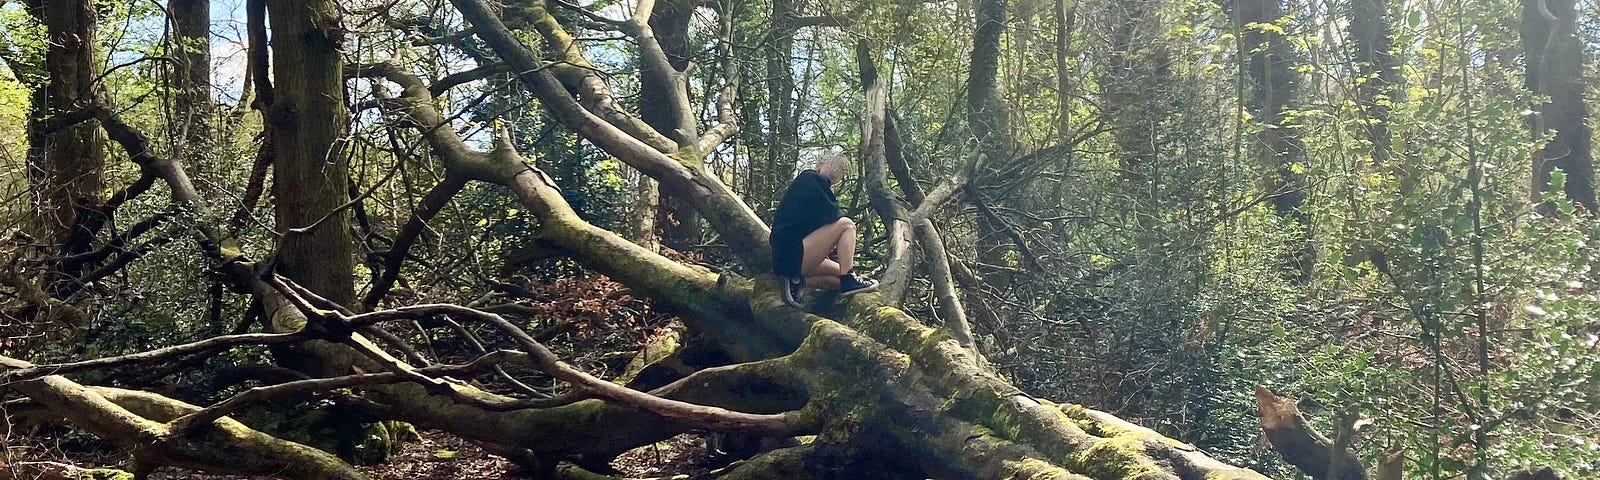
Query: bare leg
x=847, y=248
x=824, y=276
x=828, y=268
x=823, y=282
x=821, y=242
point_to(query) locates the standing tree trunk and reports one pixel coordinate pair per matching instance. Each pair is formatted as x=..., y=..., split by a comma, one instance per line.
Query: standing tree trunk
x=1279, y=148
x=874, y=154
x=987, y=119
x=66, y=163
x=191, y=29
x=664, y=105
x=783, y=138
x=309, y=172
x=1137, y=91
x=1372, y=36
x=646, y=205
x=1066, y=20
x=1555, y=69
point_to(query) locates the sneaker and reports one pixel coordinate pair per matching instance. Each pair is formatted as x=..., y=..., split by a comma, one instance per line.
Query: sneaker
x=849, y=284
x=791, y=290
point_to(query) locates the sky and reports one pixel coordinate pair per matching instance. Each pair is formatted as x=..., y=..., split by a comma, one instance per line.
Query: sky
x=227, y=48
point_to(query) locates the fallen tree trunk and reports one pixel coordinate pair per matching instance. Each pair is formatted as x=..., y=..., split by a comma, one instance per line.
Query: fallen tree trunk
x=137, y=423
x=876, y=383
x=1292, y=436
x=877, y=375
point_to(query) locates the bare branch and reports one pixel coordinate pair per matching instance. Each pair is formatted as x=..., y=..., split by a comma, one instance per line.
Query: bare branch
x=220, y=446
x=148, y=357
x=543, y=359
x=432, y=203
x=539, y=356
x=730, y=216
x=727, y=120
x=452, y=80
x=593, y=17
x=938, y=196
x=257, y=394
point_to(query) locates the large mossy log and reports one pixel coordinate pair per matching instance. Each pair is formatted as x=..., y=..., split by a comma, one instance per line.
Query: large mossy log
x=875, y=374
x=138, y=421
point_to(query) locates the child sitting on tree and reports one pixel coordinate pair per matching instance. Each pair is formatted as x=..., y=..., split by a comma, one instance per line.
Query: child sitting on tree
x=807, y=230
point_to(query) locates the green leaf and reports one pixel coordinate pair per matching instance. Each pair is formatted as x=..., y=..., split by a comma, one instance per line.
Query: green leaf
x=1463, y=225
x=1565, y=206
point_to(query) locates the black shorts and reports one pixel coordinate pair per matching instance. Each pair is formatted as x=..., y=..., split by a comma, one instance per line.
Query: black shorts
x=786, y=256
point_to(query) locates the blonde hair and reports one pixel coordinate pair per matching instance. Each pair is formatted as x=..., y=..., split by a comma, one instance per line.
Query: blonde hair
x=833, y=165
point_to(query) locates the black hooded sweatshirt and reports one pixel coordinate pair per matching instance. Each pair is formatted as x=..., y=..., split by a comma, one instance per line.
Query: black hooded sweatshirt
x=807, y=205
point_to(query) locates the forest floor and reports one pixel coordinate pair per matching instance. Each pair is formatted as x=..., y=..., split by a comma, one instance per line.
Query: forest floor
x=437, y=456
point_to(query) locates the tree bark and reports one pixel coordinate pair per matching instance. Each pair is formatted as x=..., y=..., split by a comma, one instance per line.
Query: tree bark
x=309, y=170
x=1372, y=36
x=874, y=159
x=191, y=31
x=1555, y=59
x=66, y=163
x=664, y=105
x=903, y=229
x=986, y=117
x=1278, y=146
x=1300, y=445
x=310, y=173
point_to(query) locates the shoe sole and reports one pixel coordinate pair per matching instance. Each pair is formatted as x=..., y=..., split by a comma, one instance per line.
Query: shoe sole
x=788, y=296
x=872, y=288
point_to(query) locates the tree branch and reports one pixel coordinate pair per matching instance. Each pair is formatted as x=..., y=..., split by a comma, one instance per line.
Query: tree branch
x=18, y=374
x=544, y=360
x=394, y=258
x=1300, y=445
x=739, y=226
x=224, y=446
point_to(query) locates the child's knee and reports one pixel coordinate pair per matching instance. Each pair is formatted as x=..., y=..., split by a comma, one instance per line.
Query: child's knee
x=846, y=222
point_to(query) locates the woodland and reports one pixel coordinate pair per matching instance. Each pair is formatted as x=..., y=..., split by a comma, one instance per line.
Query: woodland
x=1138, y=239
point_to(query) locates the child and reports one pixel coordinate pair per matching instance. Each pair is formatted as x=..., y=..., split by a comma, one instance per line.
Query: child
x=807, y=228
